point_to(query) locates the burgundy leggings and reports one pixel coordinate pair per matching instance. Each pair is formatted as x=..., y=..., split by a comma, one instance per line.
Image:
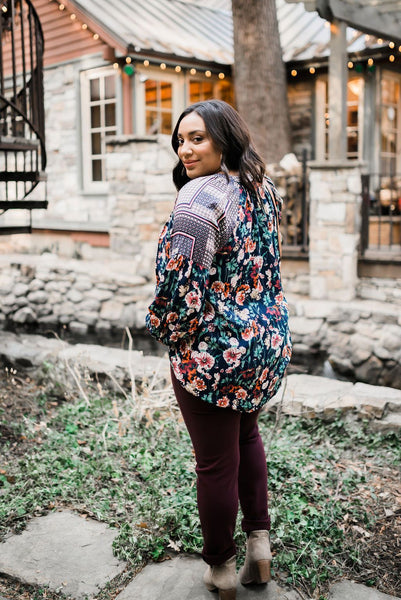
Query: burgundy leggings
x=230, y=467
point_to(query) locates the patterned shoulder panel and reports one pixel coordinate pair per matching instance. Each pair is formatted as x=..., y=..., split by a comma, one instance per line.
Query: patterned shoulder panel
x=204, y=217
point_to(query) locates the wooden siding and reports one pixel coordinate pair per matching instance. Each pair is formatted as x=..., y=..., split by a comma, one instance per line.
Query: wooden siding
x=64, y=38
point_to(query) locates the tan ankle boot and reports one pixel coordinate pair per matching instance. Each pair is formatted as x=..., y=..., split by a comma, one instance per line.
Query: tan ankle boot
x=258, y=559
x=222, y=578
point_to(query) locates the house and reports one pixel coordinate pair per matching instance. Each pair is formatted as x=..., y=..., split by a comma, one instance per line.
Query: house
x=129, y=68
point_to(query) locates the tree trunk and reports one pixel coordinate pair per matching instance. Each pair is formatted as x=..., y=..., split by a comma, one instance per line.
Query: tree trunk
x=260, y=77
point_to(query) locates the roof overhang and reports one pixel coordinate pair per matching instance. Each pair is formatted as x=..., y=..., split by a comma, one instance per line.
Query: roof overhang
x=373, y=18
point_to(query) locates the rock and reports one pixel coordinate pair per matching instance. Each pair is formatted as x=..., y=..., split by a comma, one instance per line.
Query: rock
x=36, y=284
x=348, y=590
x=369, y=371
x=38, y=297
x=390, y=423
x=74, y=296
x=87, y=317
x=181, y=578
x=64, y=552
x=25, y=315
x=100, y=294
x=78, y=328
x=111, y=311
x=20, y=289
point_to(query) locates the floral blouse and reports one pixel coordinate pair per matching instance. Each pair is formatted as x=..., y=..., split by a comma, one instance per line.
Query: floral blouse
x=219, y=304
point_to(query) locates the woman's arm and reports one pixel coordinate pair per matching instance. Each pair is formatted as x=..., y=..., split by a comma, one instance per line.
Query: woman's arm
x=199, y=230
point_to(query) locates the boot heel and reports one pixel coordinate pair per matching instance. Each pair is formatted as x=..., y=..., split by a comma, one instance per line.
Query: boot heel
x=263, y=570
x=228, y=594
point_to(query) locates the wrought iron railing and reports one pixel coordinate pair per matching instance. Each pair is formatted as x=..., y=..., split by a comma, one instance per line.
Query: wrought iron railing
x=22, y=127
x=294, y=189
x=381, y=213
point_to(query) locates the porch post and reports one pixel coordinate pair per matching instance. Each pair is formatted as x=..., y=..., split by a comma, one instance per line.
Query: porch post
x=334, y=229
x=338, y=79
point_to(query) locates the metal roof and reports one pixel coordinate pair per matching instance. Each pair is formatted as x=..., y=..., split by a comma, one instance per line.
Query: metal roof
x=202, y=29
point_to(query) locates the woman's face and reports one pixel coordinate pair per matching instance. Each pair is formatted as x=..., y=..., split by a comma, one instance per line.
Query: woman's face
x=196, y=149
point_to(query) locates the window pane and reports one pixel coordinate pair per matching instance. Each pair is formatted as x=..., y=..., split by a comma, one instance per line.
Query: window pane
x=194, y=91
x=166, y=123
x=95, y=116
x=110, y=115
x=151, y=92
x=95, y=89
x=166, y=94
x=152, y=122
x=226, y=91
x=96, y=143
x=110, y=87
x=97, y=170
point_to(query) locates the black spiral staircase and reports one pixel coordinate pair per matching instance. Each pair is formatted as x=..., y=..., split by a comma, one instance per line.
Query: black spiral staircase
x=22, y=127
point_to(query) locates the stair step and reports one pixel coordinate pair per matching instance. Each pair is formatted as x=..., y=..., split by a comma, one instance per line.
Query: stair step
x=18, y=144
x=15, y=229
x=8, y=176
x=22, y=204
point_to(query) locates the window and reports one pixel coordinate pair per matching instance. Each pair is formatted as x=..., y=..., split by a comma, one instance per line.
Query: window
x=159, y=106
x=99, y=120
x=354, y=118
x=390, y=145
x=159, y=96
x=205, y=90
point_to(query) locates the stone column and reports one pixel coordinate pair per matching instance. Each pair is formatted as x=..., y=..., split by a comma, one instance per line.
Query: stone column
x=141, y=196
x=334, y=230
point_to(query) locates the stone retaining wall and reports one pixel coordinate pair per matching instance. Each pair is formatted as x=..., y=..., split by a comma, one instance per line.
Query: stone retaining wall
x=360, y=338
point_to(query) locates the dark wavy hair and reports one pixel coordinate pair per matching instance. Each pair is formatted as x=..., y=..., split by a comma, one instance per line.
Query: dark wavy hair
x=230, y=136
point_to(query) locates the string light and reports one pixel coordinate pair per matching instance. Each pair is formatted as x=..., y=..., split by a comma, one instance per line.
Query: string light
x=178, y=69
x=350, y=64
x=294, y=73
x=208, y=73
x=379, y=41
x=163, y=66
x=312, y=70
x=73, y=16
x=391, y=58
x=391, y=45
x=116, y=66
x=146, y=63
x=193, y=71
x=128, y=60
x=95, y=36
x=221, y=76
x=370, y=62
x=84, y=26
x=61, y=7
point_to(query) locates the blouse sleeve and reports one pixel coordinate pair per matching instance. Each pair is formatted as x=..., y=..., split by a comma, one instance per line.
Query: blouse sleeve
x=179, y=305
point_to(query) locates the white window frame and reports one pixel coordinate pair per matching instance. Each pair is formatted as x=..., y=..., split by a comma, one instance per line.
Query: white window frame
x=142, y=74
x=320, y=117
x=90, y=186
x=397, y=78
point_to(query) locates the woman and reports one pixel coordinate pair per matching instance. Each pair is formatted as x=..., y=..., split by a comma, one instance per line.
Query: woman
x=220, y=309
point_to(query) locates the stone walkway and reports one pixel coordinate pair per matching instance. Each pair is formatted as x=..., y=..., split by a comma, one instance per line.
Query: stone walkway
x=73, y=555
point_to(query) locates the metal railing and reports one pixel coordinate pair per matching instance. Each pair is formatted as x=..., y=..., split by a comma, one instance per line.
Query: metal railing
x=381, y=213
x=294, y=189
x=22, y=126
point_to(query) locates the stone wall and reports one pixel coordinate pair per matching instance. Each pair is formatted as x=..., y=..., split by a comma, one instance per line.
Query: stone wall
x=82, y=296
x=361, y=338
x=142, y=194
